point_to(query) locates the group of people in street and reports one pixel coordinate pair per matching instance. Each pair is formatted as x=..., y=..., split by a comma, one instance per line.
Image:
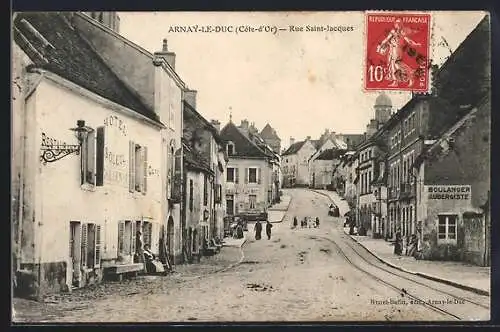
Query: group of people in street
x=306, y=222
x=258, y=230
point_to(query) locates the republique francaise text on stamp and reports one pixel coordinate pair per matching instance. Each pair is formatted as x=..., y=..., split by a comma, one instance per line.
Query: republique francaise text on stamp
x=397, y=51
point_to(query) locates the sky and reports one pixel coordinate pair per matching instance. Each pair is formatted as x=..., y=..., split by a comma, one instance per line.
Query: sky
x=299, y=82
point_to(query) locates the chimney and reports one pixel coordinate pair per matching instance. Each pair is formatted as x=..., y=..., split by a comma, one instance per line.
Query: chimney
x=308, y=137
x=292, y=140
x=190, y=97
x=165, y=54
x=216, y=124
x=244, y=124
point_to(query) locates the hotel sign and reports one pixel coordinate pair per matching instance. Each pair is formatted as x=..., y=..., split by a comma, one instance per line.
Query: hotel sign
x=452, y=192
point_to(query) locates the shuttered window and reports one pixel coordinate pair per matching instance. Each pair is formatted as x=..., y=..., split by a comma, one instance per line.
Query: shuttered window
x=236, y=175
x=252, y=175
x=138, y=168
x=147, y=233
x=145, y=170
x=131, y=166
x=121, y=237
x=91, y=245
x=155, y=237
x=97, y=246
x=205, y=190
x=230, y=174
x=93, y=158
x=133, y=238
x=90, y=156
x=84, y=245
x=100, y=157
x=191, y=192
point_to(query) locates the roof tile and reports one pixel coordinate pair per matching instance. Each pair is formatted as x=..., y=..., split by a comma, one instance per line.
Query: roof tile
x=74, y=59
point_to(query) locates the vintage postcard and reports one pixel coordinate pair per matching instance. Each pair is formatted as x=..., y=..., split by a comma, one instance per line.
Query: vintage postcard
x=251, y=166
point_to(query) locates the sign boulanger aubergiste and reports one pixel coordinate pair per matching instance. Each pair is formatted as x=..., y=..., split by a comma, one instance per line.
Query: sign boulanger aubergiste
x=450, y=192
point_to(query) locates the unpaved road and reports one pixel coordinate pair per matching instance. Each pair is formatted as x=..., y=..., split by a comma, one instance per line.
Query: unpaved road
x=305, y=274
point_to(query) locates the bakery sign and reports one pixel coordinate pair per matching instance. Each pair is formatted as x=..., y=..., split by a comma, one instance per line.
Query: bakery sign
x=449, y=192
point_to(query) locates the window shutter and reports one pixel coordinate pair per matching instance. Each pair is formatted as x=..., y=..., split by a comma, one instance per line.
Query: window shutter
x=71, y=239
x=155, y=238
x=84, y=245
x=145, y=180
x=259, y=175
x=133, y=239
x=99, y=181
x=97, y=246
x=177, y=184
x=246, y=174
x=150, y=234
x=131, y=167
x=91, y=157
x=236, y=175
x=121, y=230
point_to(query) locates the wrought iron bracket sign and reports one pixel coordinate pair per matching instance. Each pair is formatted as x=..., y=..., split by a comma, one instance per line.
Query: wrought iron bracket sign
x=53, y=153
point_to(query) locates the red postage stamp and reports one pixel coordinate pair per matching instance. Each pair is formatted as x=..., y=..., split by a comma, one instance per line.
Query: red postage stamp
x=397, y=51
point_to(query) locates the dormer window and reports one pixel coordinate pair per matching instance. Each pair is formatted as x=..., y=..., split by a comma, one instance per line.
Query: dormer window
x=230, y=149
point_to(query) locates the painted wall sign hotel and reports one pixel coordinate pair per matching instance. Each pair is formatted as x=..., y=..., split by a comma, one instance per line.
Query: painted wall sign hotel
x=449, y=192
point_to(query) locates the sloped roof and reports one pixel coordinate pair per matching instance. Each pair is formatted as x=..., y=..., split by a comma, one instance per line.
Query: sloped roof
x=244, y=146
x=353, y=140
x=330, y=154
x=72, y=58
x=191, y=113
x=195, y=160
x=316, y=143
x=294, y=148
x=453, y=130
x=269, y=132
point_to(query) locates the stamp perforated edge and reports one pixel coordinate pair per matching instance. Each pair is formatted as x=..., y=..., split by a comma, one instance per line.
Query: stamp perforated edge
x=430, y=52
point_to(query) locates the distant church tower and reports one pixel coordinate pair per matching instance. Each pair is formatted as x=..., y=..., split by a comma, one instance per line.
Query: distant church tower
x=109, y=19
x=383, y=107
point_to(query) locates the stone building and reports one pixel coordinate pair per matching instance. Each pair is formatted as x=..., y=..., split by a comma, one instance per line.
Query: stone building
x=204, y=180
x=295, y=162
x=321, y=168
x=88, y=162
x=249, y=175
x=453, y=170
x=271, y=138
x=371, y=208
x=154, y=80
x=460, y=86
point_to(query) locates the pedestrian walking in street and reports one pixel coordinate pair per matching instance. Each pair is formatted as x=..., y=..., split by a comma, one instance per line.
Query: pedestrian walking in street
x=295, y=222
x=258, y=230
x=268, y=230
x=317, y=222
x=398, y=245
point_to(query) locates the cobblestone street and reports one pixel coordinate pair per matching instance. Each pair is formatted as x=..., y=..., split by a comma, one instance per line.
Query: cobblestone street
x=304, y=274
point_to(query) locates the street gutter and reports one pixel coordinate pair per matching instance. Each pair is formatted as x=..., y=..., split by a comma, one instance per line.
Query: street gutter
x=425, y=275
x=420, y=274
x=285, y=210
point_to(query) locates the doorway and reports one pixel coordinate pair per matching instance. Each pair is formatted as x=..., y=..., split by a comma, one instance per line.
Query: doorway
x=75, y=252
x=230, y=205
